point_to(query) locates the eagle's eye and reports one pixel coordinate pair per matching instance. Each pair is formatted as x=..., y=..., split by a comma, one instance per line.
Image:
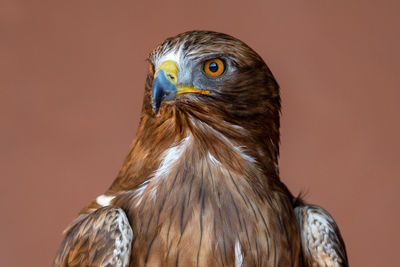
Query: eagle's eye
x=214, y=67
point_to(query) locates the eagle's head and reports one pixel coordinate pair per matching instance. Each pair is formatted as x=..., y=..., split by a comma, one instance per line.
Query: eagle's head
x=217, y=79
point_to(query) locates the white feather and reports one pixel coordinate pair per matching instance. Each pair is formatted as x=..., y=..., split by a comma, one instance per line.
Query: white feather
x=213, y=159
x=238, y=255
x=169, y=158
x=104, y=200
x=174, y=55
x=139, y=192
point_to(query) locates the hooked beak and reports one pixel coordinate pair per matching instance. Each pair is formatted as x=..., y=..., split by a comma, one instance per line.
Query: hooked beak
x=166, y=86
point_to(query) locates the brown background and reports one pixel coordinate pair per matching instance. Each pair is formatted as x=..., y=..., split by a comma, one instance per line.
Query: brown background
x=71, y=81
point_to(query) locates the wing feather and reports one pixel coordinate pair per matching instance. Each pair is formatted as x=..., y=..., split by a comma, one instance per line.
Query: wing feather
x=101, y=238
x=322, y=243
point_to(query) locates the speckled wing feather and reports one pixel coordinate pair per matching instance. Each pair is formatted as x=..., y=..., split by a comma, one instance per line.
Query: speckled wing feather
x=101, y=238
x=322, y=244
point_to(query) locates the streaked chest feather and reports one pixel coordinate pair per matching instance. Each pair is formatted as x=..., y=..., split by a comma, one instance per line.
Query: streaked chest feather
x=194, y=211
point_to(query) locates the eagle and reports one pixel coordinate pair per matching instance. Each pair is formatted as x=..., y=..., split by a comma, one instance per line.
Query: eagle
x=200, y=185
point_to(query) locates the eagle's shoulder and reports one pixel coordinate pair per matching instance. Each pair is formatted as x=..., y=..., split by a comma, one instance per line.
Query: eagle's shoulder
x=322, y=243
x=101, y=238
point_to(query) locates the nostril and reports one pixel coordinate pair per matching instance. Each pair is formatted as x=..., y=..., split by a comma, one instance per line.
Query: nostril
x=172, y=77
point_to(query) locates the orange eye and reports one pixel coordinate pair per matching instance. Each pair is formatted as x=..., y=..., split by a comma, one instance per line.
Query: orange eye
x=151, y=68
x=214, y=67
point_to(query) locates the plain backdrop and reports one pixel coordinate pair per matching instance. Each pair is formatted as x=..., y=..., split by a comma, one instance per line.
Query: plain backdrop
x=71, y=85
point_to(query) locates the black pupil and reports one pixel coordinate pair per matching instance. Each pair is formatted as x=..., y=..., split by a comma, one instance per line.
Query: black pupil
x=213, y=67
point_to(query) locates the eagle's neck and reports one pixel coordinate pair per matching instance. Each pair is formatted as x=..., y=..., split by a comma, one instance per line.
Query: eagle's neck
x=161, y=143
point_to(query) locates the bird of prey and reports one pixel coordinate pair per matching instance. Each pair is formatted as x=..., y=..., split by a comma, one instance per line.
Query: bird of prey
x=200, y=185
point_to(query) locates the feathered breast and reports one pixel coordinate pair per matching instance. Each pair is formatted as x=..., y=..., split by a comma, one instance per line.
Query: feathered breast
x=208, y=204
